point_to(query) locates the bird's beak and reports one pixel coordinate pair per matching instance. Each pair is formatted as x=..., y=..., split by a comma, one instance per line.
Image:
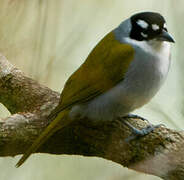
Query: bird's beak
x=165, y=36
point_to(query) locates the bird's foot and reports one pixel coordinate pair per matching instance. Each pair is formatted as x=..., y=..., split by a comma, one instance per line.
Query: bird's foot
x=139, y=132
x=134, y=116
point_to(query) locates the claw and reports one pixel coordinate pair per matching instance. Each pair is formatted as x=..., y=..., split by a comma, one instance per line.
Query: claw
x=139, y=132
x=134, y=116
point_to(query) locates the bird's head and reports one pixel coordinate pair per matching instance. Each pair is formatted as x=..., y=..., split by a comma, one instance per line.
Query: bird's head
x=149, y=26
x=144, y=27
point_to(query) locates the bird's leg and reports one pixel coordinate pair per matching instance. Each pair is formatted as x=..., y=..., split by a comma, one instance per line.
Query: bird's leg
x=138, y=132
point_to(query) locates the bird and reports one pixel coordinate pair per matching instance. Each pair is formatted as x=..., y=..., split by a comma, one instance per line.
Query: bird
x=122, y=73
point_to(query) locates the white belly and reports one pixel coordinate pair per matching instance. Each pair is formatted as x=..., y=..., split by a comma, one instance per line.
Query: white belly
x=143, y=79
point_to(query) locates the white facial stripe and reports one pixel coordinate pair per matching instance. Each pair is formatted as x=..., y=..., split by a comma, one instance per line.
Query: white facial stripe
x=155, y=27
x=165, y=26
x=142, y=23
x=144, y=35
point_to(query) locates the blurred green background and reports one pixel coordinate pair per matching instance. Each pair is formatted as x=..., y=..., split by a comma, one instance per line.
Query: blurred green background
x=49, y=39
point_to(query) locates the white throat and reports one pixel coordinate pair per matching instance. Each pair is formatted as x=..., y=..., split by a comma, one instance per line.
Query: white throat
x=154, y=47
x=158, y=49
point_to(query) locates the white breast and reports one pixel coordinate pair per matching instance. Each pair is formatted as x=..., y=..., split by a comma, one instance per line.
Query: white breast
x=148, y=70
x=158, y=49
x=146, y=74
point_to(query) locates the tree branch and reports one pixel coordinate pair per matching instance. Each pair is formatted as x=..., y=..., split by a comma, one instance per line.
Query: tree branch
x=160, y=153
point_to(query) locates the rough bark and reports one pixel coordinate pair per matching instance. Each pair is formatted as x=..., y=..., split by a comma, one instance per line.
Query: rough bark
x=160, y=153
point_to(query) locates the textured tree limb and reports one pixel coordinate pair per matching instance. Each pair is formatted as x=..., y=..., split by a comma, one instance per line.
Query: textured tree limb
x=160, y=153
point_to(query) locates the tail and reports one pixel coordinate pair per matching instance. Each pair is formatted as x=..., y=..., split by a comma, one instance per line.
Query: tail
x=58, y=123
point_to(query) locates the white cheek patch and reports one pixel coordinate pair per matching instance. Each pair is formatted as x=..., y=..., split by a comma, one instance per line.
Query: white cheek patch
x=144, y=35
x=143, y=24
x=155, y=27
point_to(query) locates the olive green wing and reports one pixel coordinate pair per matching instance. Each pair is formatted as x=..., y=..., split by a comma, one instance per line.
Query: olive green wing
x=105, y=66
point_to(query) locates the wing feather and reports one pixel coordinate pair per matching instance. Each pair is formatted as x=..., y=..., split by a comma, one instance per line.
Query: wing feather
x=105, y=66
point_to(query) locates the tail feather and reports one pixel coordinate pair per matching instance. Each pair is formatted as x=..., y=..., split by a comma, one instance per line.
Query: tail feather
x=49, y=131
